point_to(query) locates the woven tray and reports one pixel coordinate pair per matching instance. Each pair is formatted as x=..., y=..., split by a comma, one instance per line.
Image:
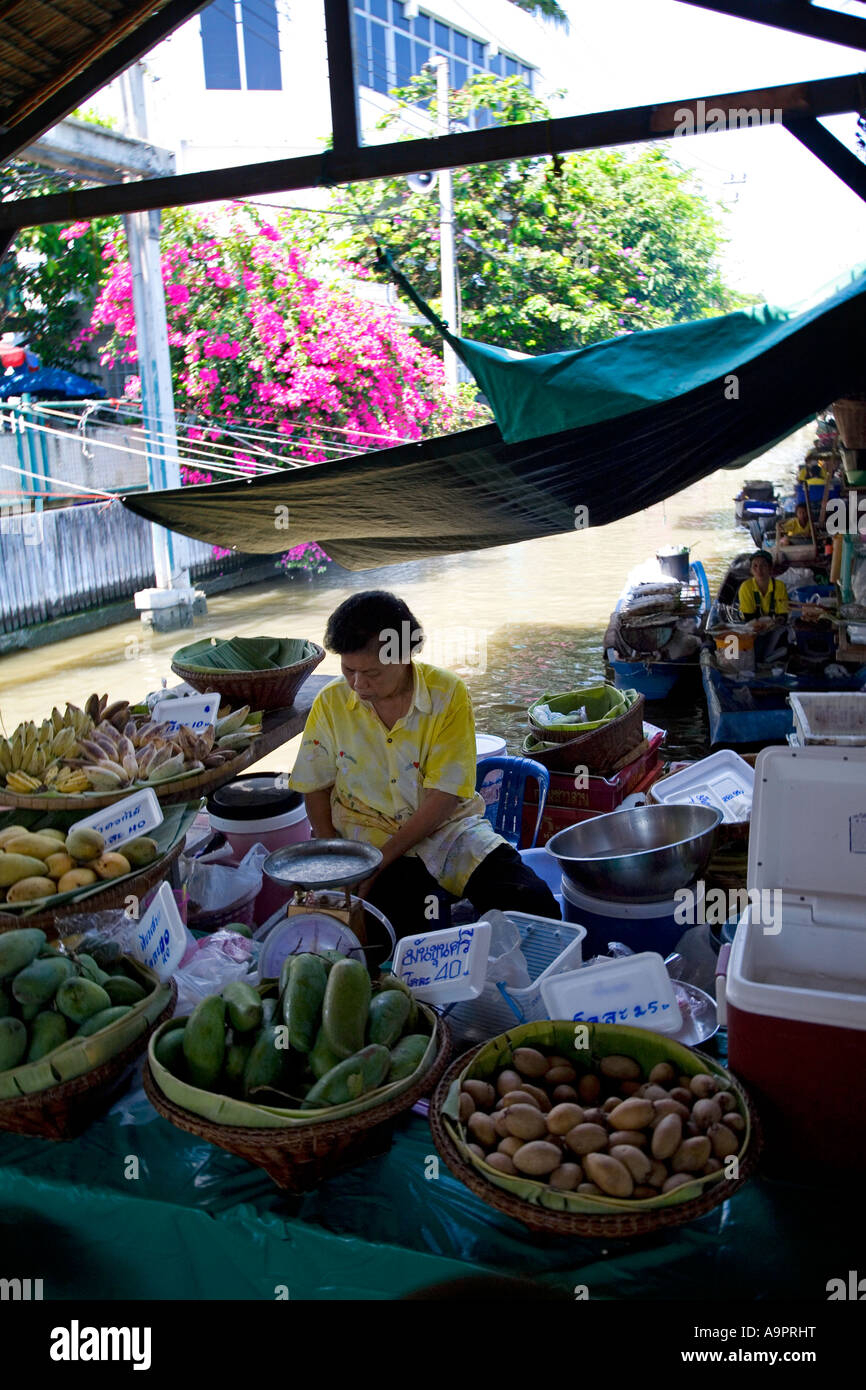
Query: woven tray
x=178, y=789
x=65, y=1111
x=115, y=894
x=298, y=1159
x=260, y=689
x=613, y=1226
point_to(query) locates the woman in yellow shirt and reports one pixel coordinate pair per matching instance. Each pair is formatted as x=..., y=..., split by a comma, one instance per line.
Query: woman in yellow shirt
x=797, y=530
x=388, y=757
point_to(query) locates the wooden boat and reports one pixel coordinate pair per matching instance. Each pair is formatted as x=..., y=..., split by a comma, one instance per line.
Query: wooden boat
x=756, y=504
x=653, y=641
x=752, y=708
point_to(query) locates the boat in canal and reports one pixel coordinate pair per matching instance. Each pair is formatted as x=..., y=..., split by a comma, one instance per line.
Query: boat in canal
x=653, y=641
x=756, y=505
x=748, y=704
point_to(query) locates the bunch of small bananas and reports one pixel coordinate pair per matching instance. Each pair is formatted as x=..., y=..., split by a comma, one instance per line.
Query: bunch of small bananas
x=31, y=757
x=105, y=747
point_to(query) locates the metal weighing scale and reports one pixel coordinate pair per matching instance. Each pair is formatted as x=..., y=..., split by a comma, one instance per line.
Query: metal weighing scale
x=324, y=864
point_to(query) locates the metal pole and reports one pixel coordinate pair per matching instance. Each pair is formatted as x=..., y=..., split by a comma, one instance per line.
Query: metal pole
x=154, y=361
x=447, y=256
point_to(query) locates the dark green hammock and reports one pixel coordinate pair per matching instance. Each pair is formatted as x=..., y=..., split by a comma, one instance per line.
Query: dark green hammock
x=607, y=430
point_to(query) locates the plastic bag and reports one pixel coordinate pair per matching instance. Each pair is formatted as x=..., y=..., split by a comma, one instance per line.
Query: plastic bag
x=116, y=928
x=506, y=963
x=216, y=961
x=214, y=886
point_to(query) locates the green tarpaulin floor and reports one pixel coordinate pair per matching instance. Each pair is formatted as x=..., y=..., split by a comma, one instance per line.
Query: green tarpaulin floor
x=199, y=1224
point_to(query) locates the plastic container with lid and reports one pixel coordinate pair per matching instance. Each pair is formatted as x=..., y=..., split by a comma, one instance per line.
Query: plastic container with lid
x=636, y=990
x=642, y=926
x=256, y=809
x=723, y=780
x=796, y=979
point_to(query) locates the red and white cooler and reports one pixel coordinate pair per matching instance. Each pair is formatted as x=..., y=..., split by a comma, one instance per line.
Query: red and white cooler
x=796, y=981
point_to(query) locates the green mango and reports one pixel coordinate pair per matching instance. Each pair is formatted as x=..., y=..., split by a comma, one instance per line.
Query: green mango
x=49, y=1030
x=266, y=1062
x=389, y=1011
x=170, y=1054
x=39, y=981
x=121, y=990
x=204, y=1041
x=80, y=999
x=18, y=948
x=302, y=999
x=237, y=1056
x=13, y=1043
x=350, y=1079
x=345, y=1007
x=90, y=970
x=97, y=1022
x=5, y=1004
x=322, y=1059
x=243, y=1005
x=407, y=1056
x=393, y=982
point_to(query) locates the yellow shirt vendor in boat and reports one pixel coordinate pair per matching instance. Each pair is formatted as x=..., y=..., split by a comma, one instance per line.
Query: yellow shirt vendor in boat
x=797, y=528
x=388, y=758
x=762, y=596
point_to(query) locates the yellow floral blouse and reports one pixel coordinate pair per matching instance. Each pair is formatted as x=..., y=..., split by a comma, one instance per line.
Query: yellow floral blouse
x=377, y=775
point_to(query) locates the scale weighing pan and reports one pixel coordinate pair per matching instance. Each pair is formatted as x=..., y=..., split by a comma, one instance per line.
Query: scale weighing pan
x=322, y=863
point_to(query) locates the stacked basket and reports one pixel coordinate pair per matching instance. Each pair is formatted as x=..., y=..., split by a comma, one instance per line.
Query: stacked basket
x=612, y=729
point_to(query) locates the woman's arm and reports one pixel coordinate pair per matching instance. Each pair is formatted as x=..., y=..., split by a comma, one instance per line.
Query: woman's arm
x=318, y=807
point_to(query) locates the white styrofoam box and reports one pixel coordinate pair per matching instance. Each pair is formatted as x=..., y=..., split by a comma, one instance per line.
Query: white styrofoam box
x=441, y=967
x=125, y=820
x=633, y=990
x=549, y=947
x=830, y=717
x=723, y=780
x=808, y=833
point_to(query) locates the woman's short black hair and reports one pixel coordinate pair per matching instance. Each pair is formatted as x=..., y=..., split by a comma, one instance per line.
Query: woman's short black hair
x=375, y=615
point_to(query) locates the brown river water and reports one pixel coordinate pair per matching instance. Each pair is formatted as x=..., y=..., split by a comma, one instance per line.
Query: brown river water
x=514, y=622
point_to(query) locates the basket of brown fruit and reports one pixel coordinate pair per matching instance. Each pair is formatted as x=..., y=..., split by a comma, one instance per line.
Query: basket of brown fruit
x=594, y=1129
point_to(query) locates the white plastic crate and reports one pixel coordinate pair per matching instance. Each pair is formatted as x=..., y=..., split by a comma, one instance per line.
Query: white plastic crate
x=830, y=717
x=549, y=948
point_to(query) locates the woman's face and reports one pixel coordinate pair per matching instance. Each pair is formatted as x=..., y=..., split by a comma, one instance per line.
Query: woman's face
x=370, y=677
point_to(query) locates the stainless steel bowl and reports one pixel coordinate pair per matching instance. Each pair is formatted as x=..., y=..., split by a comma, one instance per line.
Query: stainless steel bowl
x=641, y=855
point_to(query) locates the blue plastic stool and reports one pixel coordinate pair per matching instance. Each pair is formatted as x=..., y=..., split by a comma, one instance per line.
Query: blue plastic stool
x=506, y=814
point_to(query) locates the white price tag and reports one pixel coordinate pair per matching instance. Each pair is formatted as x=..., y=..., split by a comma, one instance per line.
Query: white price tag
x=441, y=967
x=125, y=820
x=160, y=937
x=635, y=990
x=194, y=712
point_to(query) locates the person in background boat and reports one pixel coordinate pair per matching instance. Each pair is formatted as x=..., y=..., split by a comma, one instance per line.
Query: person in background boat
x=763, y=603
x=797, y=530
x=388, y=758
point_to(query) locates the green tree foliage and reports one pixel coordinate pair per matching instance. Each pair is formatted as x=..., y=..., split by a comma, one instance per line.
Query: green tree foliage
x=49, y=280
x=544, y=9
x=551, y=253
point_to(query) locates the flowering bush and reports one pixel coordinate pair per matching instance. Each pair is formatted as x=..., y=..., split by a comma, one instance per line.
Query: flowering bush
x=258, y=340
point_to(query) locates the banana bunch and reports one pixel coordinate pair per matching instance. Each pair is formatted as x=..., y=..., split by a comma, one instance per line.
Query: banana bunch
x=105, y=747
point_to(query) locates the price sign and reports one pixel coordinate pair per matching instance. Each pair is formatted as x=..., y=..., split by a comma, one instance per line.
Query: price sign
x=194, y=712
x=441, y=967
x=635, y=990
x=160, y=937
x=125, y=820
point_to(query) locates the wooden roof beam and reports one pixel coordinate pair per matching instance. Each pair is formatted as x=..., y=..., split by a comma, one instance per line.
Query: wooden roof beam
x=631, y=125
x=796, y=16
x=829, y=150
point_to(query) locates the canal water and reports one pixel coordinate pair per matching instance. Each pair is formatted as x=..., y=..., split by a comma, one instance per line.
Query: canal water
x=514, y=622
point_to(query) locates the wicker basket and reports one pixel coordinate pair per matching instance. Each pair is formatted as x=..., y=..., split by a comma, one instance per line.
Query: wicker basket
x=66, y=1110
x=850, y=416
x=600, y=751
x=260, y=689
x=606, y=1225
x=299, y=1159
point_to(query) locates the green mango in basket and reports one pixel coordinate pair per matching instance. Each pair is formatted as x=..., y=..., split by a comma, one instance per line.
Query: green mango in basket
x=407, y=1056
x=266, y=1062
x=393, y=982
x=322, y=1059
x=97, y=1022
x=121, y=990
x=49, y=1030
x=237, y=1056
x=18, y=948
x=13, y=1043
x=243, y=1005
x=5, y=1004
x=389, y=1012
x=80, y=999
x=204, y=1041
x=90, y=970
x=351, y=1078
x=345, y=1007
x=302, y=996
x=170, y=1054
x=39, y=981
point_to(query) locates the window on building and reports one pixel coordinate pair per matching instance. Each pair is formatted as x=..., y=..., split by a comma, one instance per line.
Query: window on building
x=391, y=47
x=241, y=46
